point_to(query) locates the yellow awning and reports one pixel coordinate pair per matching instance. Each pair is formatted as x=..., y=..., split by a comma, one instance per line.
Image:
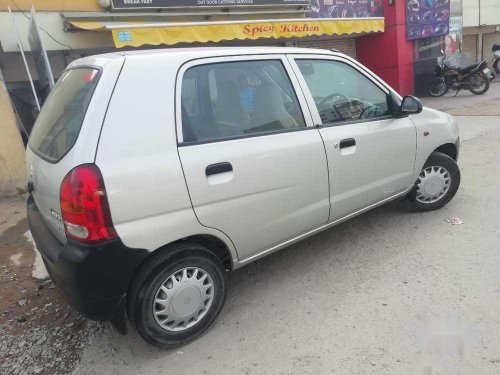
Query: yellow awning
x=138, y=34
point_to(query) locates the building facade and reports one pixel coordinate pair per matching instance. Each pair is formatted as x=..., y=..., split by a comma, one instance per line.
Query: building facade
x=384, y=35
x=481, y=21
x=70, y=29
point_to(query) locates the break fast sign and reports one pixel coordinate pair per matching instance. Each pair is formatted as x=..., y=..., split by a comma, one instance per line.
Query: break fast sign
x=138, y=4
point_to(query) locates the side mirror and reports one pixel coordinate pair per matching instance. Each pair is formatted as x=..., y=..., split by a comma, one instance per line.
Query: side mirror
x=410, y=105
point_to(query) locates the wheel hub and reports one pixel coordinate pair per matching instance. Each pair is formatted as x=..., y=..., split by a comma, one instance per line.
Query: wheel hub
x=183, y=299
x=433, y=184
x=186, y=301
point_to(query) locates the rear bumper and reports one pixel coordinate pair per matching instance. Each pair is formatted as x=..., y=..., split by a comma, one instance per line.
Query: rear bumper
x=92, y=278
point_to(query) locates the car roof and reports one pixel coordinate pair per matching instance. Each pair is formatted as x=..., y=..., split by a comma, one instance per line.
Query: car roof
x=225, y=51
x=186, y=54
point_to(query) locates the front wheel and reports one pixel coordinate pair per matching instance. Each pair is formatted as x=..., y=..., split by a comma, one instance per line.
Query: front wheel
x=438, y=88
x=479, y=84
x=177, y=295
x=436, y=185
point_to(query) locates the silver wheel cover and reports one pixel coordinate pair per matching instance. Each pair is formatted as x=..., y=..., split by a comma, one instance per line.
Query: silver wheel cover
x=183, y=299
x=433, y=183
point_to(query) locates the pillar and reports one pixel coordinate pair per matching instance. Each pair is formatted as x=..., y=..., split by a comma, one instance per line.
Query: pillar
x=389, y=54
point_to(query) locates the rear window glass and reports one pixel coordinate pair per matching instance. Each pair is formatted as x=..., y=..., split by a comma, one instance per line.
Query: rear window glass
x=58, y=125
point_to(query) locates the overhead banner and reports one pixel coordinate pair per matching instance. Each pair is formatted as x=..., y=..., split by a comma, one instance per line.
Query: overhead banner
x=142, y=4
x=346, y=8
x=138, y=35
x=427, y=18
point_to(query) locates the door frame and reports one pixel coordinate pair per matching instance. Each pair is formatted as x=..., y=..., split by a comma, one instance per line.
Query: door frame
x=345, y=60
x=292, y=76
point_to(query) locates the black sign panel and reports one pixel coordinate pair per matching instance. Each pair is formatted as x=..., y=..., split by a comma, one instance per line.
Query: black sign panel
x=138, y=4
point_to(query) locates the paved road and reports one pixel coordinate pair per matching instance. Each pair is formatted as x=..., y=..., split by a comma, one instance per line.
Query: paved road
x=466, y=103
x=388, y=292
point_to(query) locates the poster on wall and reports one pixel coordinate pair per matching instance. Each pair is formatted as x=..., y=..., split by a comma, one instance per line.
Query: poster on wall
x=453, y=40
x=427, y=18
x=142, y=4
x=346, y=8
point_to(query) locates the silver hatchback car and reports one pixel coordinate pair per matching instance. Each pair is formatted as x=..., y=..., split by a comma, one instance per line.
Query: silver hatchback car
x=153, y=173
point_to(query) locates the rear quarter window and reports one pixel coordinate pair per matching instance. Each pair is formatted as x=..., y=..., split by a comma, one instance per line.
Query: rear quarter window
x=58, y=125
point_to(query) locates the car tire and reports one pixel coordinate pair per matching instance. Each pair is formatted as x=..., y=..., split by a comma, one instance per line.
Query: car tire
x=194, y=267
x=426, y=195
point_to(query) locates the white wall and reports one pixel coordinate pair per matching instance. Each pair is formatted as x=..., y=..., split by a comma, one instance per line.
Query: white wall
x=490, y=13
x=470, y=13
x=53, y=23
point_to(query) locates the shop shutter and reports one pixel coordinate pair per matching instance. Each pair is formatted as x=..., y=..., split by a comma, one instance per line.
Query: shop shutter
x=469, y=46
x=347, y=46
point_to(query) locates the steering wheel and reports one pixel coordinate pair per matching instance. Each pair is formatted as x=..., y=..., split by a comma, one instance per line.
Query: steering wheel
x=337, y=96
x=371, y=111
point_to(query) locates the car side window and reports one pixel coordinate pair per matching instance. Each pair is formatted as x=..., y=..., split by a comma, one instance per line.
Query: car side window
x=234, y=99
x=342, y=93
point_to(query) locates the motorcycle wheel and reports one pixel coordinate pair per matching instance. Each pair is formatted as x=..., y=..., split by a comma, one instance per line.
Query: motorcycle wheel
x=438, y=88
x=481, y=84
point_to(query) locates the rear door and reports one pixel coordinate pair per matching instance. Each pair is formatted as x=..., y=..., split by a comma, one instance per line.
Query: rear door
x=254, y=165
x=371, y=153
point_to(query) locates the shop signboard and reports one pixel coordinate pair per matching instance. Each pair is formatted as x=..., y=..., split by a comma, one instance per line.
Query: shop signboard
x=346, y=8
x=427, y=18
x=142, y=4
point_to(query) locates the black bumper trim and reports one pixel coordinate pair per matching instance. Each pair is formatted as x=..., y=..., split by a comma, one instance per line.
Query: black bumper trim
x=92, y=278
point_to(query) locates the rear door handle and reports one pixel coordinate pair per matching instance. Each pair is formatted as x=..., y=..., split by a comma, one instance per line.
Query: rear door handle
x=349, y=142
x=218, y=168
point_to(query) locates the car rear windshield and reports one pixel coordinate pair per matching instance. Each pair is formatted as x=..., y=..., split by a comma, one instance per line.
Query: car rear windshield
x=58, y=125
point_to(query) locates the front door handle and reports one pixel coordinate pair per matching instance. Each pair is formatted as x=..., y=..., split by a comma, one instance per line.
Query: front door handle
x=349, y=142
x=218, y=168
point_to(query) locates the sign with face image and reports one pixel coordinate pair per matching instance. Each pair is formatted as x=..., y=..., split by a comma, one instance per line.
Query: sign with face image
x=427, y=18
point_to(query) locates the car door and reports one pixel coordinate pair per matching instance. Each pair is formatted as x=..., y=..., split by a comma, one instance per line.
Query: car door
x=255, y=167
x=371, y=153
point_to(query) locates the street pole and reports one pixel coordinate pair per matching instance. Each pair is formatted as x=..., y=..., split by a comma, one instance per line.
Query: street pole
x=19, y=42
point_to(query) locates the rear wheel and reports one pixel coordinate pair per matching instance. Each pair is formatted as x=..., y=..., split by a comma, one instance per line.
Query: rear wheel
x=479, y=84
x=438, y=88
x=177, y=295
x=436, y=185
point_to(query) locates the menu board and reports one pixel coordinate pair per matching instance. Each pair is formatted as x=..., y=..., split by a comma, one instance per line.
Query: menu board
x=141, y=4
x=346, y=8
x=427, y=18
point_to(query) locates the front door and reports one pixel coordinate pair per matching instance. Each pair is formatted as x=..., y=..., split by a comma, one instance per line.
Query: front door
x=371, y=153
x=254, y=168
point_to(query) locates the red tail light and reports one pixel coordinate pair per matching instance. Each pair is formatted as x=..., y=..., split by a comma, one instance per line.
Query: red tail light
x=84, y=206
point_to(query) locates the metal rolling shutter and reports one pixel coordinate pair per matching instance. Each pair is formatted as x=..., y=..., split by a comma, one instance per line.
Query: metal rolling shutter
x=347, y=46
x=469, y=46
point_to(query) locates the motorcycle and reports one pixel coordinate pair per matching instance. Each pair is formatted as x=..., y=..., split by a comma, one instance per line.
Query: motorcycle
x=475, y=78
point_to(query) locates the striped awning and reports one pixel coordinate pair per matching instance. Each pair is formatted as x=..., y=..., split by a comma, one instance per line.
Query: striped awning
x=139, y=34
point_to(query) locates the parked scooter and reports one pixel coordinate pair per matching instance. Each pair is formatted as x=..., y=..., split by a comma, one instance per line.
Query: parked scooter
x=495, y=60
x=475, y=78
